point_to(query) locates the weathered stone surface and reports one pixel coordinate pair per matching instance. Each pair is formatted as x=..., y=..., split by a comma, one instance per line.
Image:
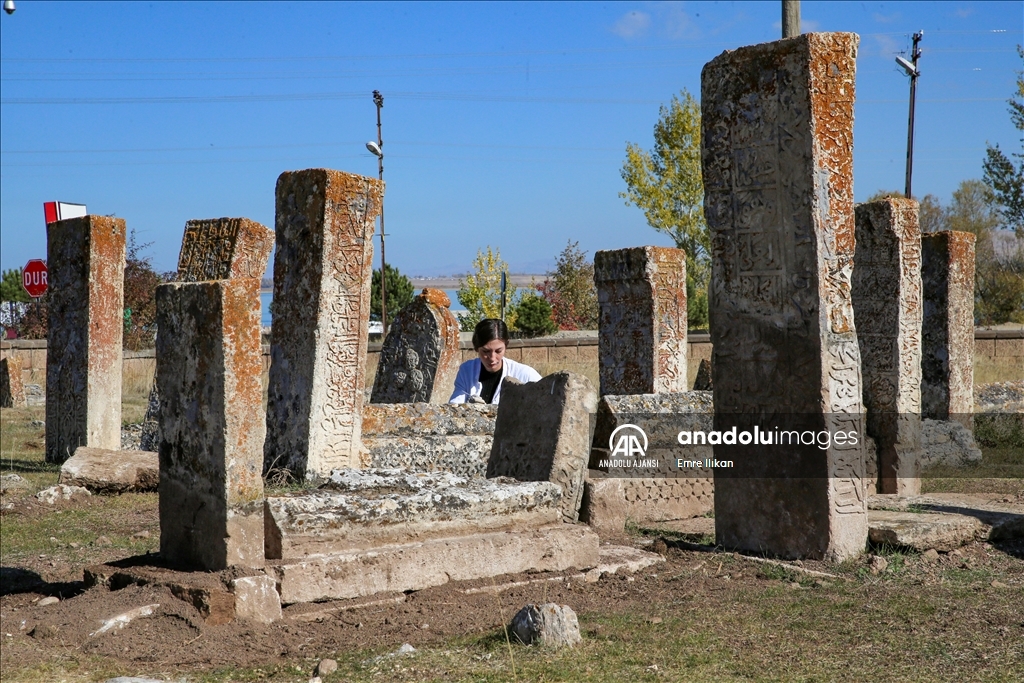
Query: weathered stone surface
x=104, y=471
x=420, y=356
x=425, y=437
x=211, y=423
x=625, y=559
x=922, y=530
x=415, y=566
x=364, y=509
x=149, y=440
x=10, y=482
x=85, y=301
x=549, y=625
x=946, y=442
x=543, y=433
x=322, y=267
x=659, y=494
x=1005, y=520
x=886, y=293
x=256, y=599
x=603, y=506
x=947, y=350
x=12, y=390
x=62, y=492
x=641, y=293
x=223, y=249
x=777, y=127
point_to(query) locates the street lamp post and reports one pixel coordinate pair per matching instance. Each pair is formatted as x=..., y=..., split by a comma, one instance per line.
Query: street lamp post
x=911, y=69
x=378, y=151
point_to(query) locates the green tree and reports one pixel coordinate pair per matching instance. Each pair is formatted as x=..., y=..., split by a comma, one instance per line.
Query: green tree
x=570, y=290
x=480, y=291
x=534, y=316
x=666, y=184
x=1004, y=177
x=140, y=283
x=399, y=293
x=11, y=288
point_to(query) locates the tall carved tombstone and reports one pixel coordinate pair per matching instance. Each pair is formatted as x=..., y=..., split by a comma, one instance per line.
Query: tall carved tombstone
x=777, y=153
x=12, y=389
x=887, y=305
x=947, y=357
x=322, y=267
x=85, y=258
x=212, y=423
x=642, y=322
x=420, y=356
x=223, y=248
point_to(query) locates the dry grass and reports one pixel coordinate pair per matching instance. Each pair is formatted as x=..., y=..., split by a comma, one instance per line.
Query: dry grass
x=1004, y=369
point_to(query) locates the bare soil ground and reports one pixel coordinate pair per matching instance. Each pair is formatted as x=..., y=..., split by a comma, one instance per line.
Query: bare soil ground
x=704, y=614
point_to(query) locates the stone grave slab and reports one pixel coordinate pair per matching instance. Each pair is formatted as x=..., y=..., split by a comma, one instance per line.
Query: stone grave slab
x=322, y=267
x=777, y=143
x=105, y=471
x=887, y=303
x=209, y=363
x=641, y=293
x=366, y=509
x=426, y=437
x=543, y=433
x=420, y=356
x=922, y=530
x=85, y=302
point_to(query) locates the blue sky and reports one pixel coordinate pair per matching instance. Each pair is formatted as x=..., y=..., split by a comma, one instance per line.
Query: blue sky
x=505, y=124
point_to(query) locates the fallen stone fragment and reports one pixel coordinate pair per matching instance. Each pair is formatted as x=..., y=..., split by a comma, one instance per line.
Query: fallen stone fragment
x=106, y=471
x=921, y=531
x=549, y=624
x=12, y=481
x=629, y=560
x=325, y=667
x=50, y=600
x=257, y=599
x=123, y=619
x=930, y=555
x=878, y=564
x=61, y=492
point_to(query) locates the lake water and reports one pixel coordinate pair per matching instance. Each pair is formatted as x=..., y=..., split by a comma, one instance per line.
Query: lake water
x=266, y=297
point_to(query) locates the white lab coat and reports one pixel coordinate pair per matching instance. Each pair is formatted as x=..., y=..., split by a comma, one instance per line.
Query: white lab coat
x=467, y=382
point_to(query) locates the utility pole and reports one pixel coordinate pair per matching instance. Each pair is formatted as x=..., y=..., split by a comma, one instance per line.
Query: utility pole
x=378, y=100
x=790, y=18
x=912, y=71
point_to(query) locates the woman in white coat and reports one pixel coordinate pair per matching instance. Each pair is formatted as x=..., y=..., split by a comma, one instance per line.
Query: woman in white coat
x=479, y=380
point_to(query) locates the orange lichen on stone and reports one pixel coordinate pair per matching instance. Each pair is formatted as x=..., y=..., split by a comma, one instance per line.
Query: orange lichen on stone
x=436, y=297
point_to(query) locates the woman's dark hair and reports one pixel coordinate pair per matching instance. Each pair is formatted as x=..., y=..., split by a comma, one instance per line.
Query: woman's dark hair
x=487, y=330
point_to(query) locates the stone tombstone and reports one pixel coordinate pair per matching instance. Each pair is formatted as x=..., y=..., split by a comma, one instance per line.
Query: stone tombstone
x=12, y=390
x=322, y=267
x=947, y=349
x=420, y=356
x=223, y=249
x=777, y=155
x=543, y=433
x=886, y=293
x=641, y=293
x=212, y=425
x=85, y=301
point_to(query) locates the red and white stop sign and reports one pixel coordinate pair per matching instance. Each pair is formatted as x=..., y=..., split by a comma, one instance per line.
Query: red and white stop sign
x=33, y=277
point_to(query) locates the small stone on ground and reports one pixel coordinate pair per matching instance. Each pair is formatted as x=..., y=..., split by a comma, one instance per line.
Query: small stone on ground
x=548, y=624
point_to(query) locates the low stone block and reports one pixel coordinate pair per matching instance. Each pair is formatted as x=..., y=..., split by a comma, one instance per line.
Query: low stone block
x=105, y=471
x=465, y=456
x=921, y=531
x=256, y=599
x=415, y=566
x=604, y=505
x=12, y=390
x=364, y=509
x=543, y=433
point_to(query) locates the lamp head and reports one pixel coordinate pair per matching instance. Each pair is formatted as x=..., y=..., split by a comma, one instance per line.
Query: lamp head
x=374, y=149
x=9, y=6
x=907, y=66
